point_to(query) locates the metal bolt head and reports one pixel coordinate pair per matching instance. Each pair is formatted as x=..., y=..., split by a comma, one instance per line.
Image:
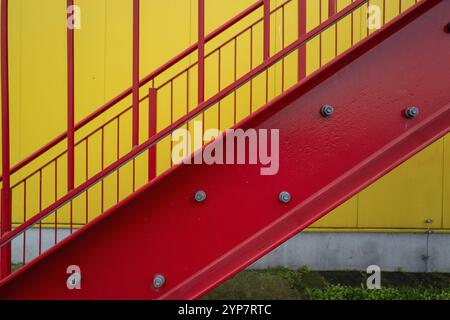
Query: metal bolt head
x=200, y=196
x=158, y=281
x=412, y=112
x=284, y=197
x=447, y=28
x=327, y=111
x=428, y=221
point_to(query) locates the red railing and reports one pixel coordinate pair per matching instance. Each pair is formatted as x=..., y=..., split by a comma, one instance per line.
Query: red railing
x=136, y=149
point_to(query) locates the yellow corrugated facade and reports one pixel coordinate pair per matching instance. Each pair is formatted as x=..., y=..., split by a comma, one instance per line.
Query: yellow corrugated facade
x=402, y=201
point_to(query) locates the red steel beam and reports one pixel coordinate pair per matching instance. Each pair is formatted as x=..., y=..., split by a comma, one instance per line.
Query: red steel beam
x=344, y=160
x=70, y=103
x=5, y=252
x=136, y=86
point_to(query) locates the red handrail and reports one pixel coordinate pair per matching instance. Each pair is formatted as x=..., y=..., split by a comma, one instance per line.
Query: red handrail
x=144, y=81
x=180, y=122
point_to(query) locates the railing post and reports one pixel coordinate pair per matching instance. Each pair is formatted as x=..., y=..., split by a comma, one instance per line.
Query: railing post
x=5, y=251
x=266, y=29
x=201, y=51
x=331, y=8
x=136, y=22
x=152, y=131
x=70, y=102
x=301, y=32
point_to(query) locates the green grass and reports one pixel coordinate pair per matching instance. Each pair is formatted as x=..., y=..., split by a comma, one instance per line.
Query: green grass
x=284, y=284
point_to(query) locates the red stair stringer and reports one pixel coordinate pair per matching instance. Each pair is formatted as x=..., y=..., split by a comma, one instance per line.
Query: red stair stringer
x=323, y=162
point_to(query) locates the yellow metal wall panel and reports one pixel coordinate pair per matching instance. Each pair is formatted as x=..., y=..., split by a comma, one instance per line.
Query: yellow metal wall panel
x=38, y=77
x=90, y=58
x=408, y=196
x=344, y=216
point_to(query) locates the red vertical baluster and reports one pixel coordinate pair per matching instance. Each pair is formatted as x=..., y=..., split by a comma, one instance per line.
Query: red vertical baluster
x=352, y=40
x=102, y=205
x=171, y=120
x=201, y=57
x=56, y=198
x=331, y=8
x=118, y=157
x=24, y=243
x=282, y=45
x=134, y=175
x=320, y=34
x=136, y=72
x=40, y=210
x=86, y=178
x=266, y=29
x=367, y=18
x=70, y=112
x=5, y=251
x=70, y=103
x=251, y=68
x=301, y=32
x=71, y=217
x=267, y=85
x=266, y=47
x=235, y=77
x=187, y=109
x=152, y=102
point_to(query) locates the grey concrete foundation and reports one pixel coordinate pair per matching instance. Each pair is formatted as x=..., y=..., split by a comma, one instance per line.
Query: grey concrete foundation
x=356, y=251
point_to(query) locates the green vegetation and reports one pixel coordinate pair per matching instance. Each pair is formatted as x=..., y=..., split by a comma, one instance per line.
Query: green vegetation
x=302, y=284
x=340, y=292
